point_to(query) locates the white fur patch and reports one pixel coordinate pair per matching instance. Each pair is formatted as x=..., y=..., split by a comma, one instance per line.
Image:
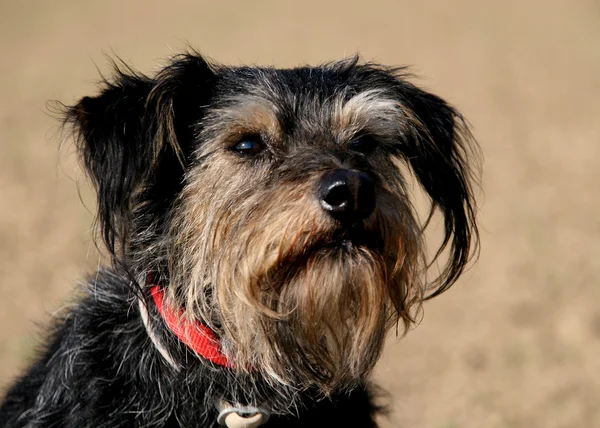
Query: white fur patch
x=159, y=346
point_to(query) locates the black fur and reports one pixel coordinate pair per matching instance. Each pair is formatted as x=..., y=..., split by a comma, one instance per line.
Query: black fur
x=136, y=140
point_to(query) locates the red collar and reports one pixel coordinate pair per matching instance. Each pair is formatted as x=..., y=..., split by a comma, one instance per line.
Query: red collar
x=196, y=336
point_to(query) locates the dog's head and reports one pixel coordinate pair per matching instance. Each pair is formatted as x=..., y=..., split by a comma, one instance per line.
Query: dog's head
x=272, y=205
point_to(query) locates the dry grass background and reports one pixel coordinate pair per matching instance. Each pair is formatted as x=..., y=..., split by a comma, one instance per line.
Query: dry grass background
x=517, y=342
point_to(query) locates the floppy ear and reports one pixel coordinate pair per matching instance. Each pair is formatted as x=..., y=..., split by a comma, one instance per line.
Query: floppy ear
x=134, y=139
x=443, y=155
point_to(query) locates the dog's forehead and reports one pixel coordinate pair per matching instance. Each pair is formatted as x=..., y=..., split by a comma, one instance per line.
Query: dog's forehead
x=319, y=82
x=339, y=99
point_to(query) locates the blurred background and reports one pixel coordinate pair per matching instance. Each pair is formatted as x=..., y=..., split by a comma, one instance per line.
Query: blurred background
x=516, y=343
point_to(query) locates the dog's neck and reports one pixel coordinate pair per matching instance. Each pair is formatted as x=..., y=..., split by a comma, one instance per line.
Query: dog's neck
x=205, y=343
x=198, y=337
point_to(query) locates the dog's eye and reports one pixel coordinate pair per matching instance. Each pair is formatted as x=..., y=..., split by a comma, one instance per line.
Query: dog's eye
x=249, y=146
x=365, y=144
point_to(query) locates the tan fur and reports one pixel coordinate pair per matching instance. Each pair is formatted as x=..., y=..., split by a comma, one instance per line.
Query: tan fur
x=252, y=116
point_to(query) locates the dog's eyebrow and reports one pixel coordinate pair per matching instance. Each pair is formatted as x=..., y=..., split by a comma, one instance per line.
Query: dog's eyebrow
x=373, y=110
x=249, y=114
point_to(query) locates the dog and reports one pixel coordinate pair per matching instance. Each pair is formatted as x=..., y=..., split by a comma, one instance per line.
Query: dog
x=262, y=241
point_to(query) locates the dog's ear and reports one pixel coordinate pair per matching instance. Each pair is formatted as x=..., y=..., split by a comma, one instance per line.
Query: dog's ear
x=444, y=157
x=134, y=139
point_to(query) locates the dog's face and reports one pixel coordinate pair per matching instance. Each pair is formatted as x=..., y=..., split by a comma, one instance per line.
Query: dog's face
x=272, y=205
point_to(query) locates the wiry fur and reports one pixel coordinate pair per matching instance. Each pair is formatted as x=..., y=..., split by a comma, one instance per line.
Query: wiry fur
x=300, y=302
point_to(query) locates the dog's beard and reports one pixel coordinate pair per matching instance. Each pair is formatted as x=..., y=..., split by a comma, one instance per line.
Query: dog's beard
x=293, y=297
x=332, y=315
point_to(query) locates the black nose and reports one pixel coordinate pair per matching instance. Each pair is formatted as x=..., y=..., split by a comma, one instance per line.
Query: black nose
x=347, y=195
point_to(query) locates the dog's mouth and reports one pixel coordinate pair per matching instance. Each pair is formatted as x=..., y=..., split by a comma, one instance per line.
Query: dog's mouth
x=340, y=244
x=340, y=239
x=354, y=236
